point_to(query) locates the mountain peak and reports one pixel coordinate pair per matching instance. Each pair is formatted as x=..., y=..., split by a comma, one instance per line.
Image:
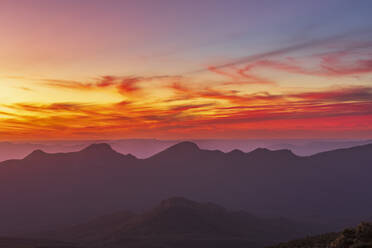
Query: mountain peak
x=236, y=152
x=264, y=153
x=184, y=146
x=99, y=147
x=260, y=150
x=36, y=154
x=103, y=149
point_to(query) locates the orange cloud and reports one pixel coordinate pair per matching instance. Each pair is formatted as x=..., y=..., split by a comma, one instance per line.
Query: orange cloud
x=201, y=110
x=125, y=85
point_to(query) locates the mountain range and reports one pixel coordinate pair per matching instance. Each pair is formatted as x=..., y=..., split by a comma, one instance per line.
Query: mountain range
x=144, y=148
x=47, y=191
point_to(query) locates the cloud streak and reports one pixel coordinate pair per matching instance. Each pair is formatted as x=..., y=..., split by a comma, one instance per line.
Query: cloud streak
x=292, y=48
x=345, y=58
x=194, y=111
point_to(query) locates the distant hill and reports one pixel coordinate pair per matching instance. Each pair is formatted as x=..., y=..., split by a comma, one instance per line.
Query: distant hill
x=45, y=191
x=144, y=148
x=179, y=222
x=359, y=237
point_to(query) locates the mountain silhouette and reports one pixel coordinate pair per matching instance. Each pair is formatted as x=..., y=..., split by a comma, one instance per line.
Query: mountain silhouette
x=183, y=148
x=55, y=190
x=35, y=155
x=100, y=148
x=144, y=148
x=179, y=151
x=179, y=222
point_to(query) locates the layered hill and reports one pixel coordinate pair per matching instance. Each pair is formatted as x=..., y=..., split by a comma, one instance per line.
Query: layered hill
x=179, y=222
x=45, y=191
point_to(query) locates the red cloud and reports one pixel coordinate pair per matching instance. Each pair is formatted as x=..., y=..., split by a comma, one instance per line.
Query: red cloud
x=191, y=110
x=128, y=85
x=124, y=85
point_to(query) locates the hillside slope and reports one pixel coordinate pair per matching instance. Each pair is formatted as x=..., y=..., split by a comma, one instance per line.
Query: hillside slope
x=179, y=222
x=50, y=191
x=359, y=237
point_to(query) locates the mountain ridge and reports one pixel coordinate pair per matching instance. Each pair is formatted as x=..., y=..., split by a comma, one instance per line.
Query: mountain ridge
x=187, y=147
x=180, y=220
x=89, y=183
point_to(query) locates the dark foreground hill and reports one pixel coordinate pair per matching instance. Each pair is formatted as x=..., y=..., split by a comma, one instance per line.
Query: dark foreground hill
x=46, y=191
x=179, y=222
x=359, y=237
x=34, y=243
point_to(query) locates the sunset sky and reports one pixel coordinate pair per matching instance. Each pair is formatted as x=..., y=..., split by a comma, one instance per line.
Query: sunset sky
x=172, y=69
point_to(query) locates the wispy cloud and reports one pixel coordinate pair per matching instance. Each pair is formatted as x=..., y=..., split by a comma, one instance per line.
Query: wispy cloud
x=125, y=85
x=199, y=109
x=292, y=48
x=345, y=57
x=333, y=64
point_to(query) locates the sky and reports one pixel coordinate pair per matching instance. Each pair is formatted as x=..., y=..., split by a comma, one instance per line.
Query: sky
x=169, y=69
